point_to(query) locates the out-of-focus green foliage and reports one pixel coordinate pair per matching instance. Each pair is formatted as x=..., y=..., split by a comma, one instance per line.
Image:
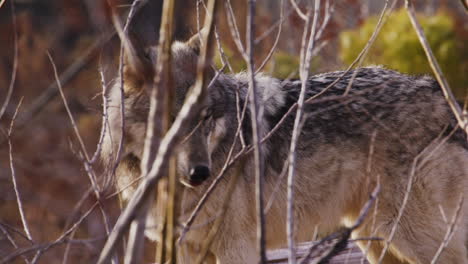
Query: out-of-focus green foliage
x=237, y=63
x=398, y=47
x=281, y=65
x=284, y=65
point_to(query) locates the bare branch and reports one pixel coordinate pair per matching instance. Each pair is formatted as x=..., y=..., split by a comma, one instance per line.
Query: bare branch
x=256, y=111
x=298, y=10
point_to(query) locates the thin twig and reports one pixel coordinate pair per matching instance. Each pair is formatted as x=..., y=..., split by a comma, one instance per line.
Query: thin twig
x=70, y=115
x=450, y=230
x=273, y=48
x=222, y=54
x=17, y=231
x=71, y=215
x=15, y=60
x=70, y=72
x=13, y=176
x=362, y=55
x=232, y=25
x=105, y=116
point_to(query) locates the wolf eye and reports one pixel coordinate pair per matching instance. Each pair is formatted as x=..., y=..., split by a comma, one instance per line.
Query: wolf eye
x=206, y=114
x=207, y=118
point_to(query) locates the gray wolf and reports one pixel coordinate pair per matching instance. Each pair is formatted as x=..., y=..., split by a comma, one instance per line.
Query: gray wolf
x=388, y=127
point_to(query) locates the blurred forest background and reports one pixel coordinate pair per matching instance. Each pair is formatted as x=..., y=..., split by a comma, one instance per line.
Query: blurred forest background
x=50, y=175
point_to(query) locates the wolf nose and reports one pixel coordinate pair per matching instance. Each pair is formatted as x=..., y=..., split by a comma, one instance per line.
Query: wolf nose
x=198, y=174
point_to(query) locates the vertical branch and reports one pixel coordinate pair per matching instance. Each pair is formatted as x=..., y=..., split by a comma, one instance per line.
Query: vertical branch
x=160, y=105
x=304, y=74
x=256, y=116
x=160, y=102
x=462, y=121
x=172, y=213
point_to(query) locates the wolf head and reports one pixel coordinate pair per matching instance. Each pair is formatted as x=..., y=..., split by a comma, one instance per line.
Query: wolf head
x=206, y=129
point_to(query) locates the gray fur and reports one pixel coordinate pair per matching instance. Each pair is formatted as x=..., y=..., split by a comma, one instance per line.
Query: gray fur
x=404, y=115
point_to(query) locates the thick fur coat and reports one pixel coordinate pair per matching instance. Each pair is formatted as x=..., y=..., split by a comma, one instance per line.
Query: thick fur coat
x=387, y=128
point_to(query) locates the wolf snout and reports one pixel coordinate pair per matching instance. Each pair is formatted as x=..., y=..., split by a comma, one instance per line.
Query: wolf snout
x=198, y=174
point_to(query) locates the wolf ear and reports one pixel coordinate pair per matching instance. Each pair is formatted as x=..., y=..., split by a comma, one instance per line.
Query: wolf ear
x=139, y=42
x=195, y=41
x=138, y=64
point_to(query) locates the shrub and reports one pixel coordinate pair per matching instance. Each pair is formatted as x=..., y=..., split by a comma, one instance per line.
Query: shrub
x=398, y=47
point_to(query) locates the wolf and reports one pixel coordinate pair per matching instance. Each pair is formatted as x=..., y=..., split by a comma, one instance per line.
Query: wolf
x=373, y=126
